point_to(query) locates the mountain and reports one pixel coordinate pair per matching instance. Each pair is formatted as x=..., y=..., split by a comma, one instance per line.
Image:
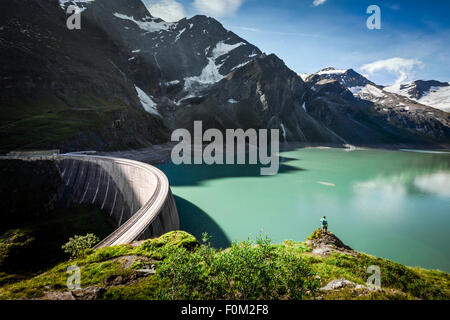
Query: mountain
x=67, y=89
x=347, y=78
x=127, y=79
x=432, y=93
x=406, y=117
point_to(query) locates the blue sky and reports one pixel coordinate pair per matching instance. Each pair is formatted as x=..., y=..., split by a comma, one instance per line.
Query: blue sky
x=309, y=37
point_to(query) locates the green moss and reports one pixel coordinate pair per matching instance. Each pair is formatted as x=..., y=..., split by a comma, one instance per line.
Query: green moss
x=315, y=235
x=298, y=247
x=145, y=289
x=156, y=248
x=109, y=253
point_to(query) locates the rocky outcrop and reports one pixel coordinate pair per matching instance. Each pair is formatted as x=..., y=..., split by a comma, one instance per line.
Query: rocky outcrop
x=327, y=243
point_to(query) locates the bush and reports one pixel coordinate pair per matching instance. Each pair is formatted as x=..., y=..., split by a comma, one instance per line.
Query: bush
x=76, y=247
x=247, y=270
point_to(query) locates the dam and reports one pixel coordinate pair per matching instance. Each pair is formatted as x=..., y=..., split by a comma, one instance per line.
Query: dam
x=136, y=195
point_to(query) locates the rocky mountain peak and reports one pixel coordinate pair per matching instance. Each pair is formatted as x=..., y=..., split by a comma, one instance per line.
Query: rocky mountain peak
x=127, y=78
x=348, y=78
x=429, y=92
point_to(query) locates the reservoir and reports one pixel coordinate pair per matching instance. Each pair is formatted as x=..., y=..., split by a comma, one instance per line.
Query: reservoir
x=391, y=204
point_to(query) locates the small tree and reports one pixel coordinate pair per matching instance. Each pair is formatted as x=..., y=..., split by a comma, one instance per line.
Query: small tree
x=77, y=246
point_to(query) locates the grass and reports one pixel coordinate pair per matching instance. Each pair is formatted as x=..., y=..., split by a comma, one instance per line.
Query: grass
x=54, y=121
x=186, y=269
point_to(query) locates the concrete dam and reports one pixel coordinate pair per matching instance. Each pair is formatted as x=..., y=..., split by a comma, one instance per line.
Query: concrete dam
x=136, y=195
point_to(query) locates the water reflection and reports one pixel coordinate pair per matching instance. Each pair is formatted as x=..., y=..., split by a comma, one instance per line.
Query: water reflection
x=381, y=193
x=437, y=183
x=388, y=194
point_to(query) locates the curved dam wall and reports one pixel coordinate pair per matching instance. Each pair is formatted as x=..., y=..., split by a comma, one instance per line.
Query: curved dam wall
x=136, y=195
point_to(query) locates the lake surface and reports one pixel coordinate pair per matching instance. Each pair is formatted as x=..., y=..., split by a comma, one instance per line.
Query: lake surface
x=392, y=204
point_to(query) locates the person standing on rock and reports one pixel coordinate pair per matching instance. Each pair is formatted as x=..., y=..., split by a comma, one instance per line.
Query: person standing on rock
x=324, y=223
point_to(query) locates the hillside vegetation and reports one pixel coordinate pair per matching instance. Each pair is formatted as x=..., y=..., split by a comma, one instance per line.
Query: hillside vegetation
x=178, y=266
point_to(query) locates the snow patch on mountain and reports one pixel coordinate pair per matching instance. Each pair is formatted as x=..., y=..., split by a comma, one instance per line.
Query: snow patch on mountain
x=179, y=34
x=331, y=71
x=241, y=65
x=355, y=89
x=283, y=130
x=372, y=91
x=64, y=3
x=149, y=24
x=303, y=75
x=304, y=106
x=436, y=97
x=210, y=73
x=147, y=102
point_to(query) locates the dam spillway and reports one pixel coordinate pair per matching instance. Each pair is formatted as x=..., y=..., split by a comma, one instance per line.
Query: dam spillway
x=136, y=195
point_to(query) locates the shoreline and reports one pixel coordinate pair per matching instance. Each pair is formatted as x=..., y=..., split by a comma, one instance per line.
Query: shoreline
x=161, y=153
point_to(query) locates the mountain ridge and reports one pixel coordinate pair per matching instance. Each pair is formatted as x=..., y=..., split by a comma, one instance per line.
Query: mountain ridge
x=127, y=79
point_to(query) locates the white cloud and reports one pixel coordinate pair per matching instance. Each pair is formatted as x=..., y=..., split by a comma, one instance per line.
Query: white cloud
x=318, y=2
x=168, y=10
x=217, y=8
x=403, y=68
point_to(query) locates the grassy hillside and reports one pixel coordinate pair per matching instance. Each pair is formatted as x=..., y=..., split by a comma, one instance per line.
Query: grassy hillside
x=45, y=121
x=177, y=266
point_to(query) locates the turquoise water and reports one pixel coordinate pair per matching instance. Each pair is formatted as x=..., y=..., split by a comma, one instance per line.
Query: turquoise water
x=392, y=204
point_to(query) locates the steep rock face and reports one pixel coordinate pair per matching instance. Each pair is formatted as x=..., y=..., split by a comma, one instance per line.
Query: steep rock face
x=187, y=55
x=262, y=94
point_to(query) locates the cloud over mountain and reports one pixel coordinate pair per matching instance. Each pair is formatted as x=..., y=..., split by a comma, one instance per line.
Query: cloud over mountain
x=400, y=66
x=168, y=10
x=217, y=8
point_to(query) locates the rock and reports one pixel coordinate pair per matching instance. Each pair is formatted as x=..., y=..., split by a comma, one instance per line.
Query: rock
x=58, y=295
x=327, y=243
x=147, y=271
x=338, y=284
x=89, y=293
x=342, y=283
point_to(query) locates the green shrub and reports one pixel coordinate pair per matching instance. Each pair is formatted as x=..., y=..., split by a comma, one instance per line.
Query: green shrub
x=247, y=270
x=76, y=247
